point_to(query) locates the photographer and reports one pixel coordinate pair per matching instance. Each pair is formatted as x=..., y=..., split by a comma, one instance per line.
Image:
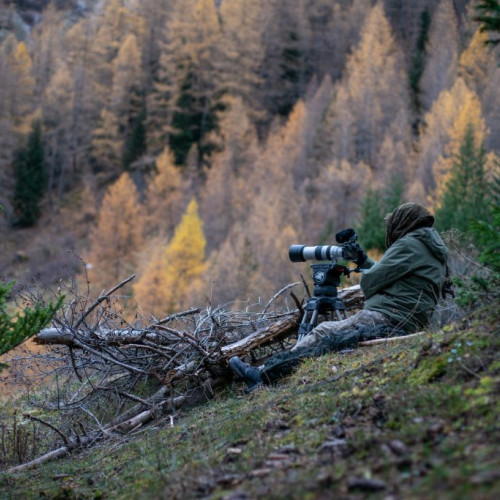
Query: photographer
x=401, y=290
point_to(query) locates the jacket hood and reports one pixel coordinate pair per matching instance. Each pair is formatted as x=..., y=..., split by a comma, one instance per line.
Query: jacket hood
x=432, y=240
x=406, y=218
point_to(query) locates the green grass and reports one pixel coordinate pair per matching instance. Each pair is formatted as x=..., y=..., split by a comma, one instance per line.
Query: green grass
x=420, y=415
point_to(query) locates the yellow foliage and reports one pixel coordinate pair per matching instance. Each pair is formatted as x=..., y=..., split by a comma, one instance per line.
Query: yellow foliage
x=152, y=291
x=173, y=277
x=467, y=112
x=476, y=62
x=185, y=257
x=164, y=196
x=117, y=236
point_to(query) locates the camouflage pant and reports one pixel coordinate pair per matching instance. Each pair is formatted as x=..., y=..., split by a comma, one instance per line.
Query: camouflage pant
x=361, y=318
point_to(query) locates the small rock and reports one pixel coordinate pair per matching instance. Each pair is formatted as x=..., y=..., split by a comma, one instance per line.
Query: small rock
x=398, y=447
x=233, y=451
x=278, y=457
x=335, y=445
x=338, y=432
x=289, y=448
x=261, y=472
x=334, y=369
x=278, y=425
x=325, y=479
x=229, y=479
x=435, y=429
x=364, y=484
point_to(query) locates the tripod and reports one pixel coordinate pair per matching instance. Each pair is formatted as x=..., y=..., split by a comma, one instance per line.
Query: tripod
x=326, y=278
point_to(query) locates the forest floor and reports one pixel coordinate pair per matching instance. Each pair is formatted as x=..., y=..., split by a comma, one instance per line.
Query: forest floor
x=416, y=419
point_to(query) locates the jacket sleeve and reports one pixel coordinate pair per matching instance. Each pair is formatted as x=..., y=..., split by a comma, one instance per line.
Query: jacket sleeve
x=398, y=261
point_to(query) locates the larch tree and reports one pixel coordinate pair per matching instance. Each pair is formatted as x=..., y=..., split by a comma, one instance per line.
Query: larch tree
x=185, y=97
x=285, y=69
x=48, y=36
x=196, y=104
x=18, y=88
x=434, y=137
x=164, y=197
x=333, y=199
x=180, y=269
x=84, y=110
x=57, y=106
x=477, y=63
x=334, y=29
x=468, y=128
x=152, y=291
x=117, y=237
x=228, y=192
x=241, y=46
x=106, y=146
x=442, y=54
x=126, y=100
x=372, y=93
x=116, y=23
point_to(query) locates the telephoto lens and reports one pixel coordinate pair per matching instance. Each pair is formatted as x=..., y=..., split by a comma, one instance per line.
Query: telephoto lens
x=301, y=253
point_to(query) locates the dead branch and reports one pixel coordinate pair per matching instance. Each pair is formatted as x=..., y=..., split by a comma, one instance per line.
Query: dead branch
x=186, y=352
x=389, y=339
x=277, y=294
x=101, y=299
x=49, y=425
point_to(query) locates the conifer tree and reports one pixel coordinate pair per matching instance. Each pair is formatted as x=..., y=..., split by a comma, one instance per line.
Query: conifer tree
x=30, y=176
x=186, y=95
x=466, y=194
x=376, y=204
x=117, y=237
x=435, y=136
x=15, y=329
x=489, y=17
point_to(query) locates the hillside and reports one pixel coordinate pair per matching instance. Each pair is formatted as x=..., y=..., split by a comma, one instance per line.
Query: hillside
x=115, y=115
x=415, y=419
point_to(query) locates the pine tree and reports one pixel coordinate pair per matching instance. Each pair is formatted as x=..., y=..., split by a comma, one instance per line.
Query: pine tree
x=118, y=235
x=489, y=17
x=376, y=204
x=187, y=93
x=30, y=179
x=466, y=194
x=14, y=330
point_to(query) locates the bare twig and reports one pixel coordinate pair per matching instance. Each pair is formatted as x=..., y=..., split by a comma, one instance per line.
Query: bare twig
x=277, y=294
x=101, y=299
x=49, y=425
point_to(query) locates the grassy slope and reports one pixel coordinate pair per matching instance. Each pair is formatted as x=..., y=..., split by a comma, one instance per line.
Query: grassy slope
x=418, y=419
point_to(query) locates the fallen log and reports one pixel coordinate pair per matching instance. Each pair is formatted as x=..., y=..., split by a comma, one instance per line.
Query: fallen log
x=262, y=337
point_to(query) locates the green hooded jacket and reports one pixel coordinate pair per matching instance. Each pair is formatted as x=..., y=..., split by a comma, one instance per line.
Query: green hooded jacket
x=405, y=285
